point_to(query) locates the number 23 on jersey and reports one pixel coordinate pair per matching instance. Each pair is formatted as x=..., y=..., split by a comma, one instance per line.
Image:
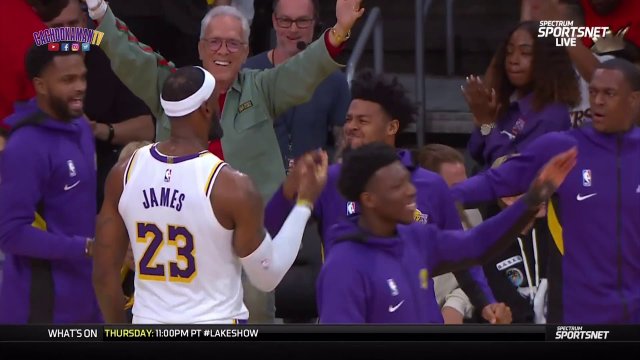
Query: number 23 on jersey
x=181, y=270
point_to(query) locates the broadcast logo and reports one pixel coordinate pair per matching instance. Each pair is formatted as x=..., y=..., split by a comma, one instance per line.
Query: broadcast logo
x=577, y=333
x=566, y=34
x=70, y=36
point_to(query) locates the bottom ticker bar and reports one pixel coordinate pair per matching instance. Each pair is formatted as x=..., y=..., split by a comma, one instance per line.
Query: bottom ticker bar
x=310, y=333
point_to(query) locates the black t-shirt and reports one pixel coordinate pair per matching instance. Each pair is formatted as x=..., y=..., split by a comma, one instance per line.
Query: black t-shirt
x=107, y=101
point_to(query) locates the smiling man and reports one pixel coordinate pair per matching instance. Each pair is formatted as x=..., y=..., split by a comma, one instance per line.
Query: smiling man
x=594, y=216
x=47, y=271
x=379, y=111
x=249, y=99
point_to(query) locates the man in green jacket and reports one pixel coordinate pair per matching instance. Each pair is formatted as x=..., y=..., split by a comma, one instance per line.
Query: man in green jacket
x=249, y=99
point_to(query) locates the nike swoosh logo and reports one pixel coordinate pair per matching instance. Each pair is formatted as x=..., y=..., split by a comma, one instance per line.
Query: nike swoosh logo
x=394, y=308
x=69, y=187
x=581, y=198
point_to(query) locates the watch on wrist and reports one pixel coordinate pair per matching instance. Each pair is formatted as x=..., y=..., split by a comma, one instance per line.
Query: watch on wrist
x=485, y=129
x=88, y=247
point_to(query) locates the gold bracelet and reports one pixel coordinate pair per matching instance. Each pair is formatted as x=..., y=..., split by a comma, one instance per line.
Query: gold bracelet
x=306, y=203
x=339, y=37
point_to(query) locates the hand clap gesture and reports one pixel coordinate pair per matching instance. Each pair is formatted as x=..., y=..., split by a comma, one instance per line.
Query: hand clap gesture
x=482, y=102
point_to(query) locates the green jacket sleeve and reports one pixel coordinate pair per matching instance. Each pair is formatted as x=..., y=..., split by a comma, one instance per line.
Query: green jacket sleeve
x=137, y=66
x=294, y=82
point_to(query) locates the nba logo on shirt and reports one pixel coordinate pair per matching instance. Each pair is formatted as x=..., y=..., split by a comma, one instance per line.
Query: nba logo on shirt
x=517, y=127
x=393, y=287
x=75, y=47
x=586, y=177
x=167, y=175
x=351, y=208
x=72, y=168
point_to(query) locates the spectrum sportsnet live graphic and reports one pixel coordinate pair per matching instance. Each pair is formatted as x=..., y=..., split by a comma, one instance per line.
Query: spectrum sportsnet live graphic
x=566, y=34
x=68, y=38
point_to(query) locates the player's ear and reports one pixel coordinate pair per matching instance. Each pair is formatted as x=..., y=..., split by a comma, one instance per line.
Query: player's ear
x=394, y=126
x=367, y=200
x=40, y=86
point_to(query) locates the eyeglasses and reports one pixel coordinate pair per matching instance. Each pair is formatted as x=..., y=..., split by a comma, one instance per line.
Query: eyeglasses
x=286, y=23
x=216, y=43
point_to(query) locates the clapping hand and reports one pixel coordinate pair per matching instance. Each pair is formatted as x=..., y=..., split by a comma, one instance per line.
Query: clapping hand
x=497, y=313
x=482, y=102
x=312, y=174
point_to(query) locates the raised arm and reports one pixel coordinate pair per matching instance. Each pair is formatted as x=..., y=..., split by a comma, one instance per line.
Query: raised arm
x=513, y=176
x=136, y=65
x=25, y=173
x=109, y=251
x=239, y=205
x=284, y=199
x=453, y=250
x=294, y=82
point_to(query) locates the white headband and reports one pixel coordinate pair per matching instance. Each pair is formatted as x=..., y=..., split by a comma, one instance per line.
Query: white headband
x=190, y=104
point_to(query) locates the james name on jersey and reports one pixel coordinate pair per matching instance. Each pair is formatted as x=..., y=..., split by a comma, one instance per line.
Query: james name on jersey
x=171, y=198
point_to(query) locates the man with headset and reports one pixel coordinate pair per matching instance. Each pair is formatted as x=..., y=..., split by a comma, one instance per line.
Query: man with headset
x=299, y=130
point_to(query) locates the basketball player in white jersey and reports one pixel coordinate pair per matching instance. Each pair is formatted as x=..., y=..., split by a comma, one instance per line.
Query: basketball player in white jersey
x=193, y=221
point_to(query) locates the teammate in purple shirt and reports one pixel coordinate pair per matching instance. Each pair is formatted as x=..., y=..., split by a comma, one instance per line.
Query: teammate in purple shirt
x=380, y=110
x=382, y=261
x=49, y=175
x=594, y=271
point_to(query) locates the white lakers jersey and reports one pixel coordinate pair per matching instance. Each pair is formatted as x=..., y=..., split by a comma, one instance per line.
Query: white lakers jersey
x=186, y=270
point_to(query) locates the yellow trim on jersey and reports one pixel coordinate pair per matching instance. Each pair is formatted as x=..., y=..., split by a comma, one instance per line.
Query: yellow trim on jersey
x=127, y=172
x=211, y=175
x=123, y=272
x=555, y=228
x=322, y=251
x=39, y=223
x=129, y=304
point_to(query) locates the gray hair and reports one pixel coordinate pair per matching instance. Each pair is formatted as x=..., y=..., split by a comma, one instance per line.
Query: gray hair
x=228, y=11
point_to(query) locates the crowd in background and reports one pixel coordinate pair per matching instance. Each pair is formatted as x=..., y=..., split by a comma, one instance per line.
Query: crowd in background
x=535, y=101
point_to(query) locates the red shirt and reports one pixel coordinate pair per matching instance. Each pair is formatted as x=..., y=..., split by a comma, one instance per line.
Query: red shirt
x=215, y=146
x=18, y=22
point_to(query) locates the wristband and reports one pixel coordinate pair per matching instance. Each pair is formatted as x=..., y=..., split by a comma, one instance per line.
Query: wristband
x=305, y=203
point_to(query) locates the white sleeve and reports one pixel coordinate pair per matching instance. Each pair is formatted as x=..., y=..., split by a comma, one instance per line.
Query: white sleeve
x=267, y=265
x=448, y=293
x=459, y=301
